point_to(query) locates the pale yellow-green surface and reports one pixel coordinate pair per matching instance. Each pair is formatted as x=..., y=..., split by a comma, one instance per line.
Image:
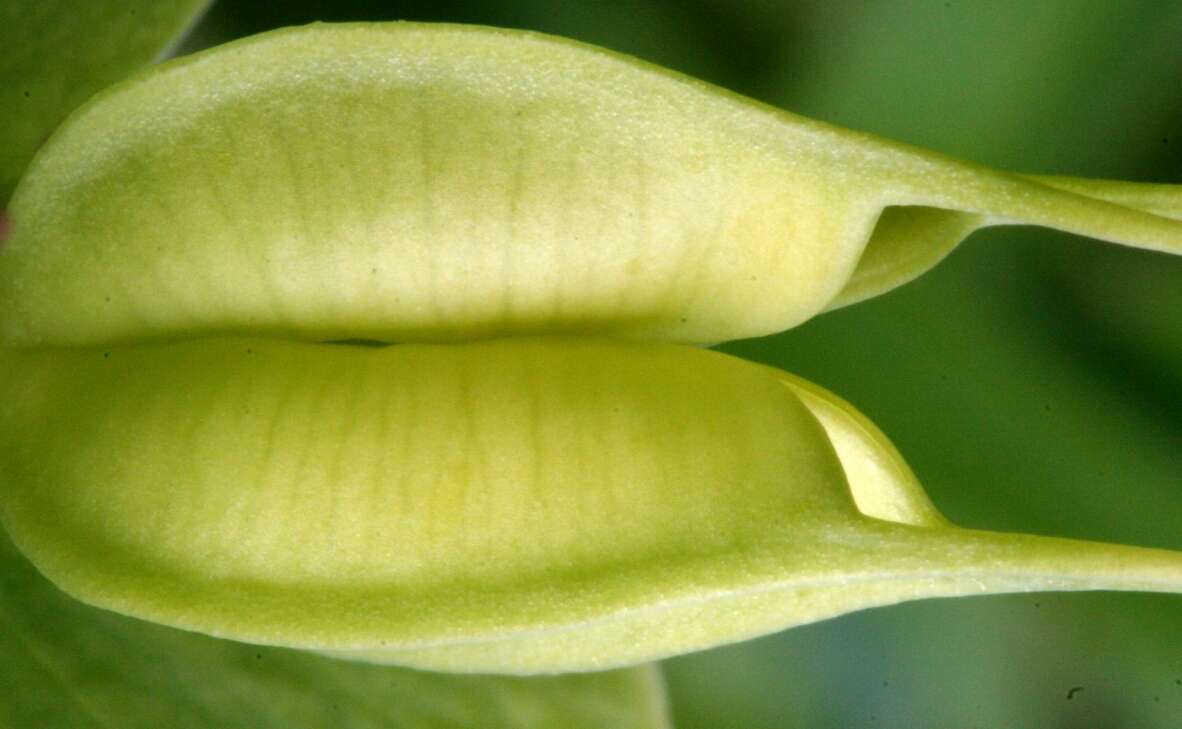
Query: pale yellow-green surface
x=57, y=53
x=502, y=505
x=1094, y=489
x=508, y=506
x=406, y=182
x=881, y=483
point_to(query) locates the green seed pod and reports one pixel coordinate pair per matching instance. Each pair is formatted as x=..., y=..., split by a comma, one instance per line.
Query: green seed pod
x=404, y=182
x=523, y=505
x=517, y=506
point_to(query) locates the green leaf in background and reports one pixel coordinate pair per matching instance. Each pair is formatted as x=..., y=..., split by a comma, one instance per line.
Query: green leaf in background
x=412, y=182
x=57, y=53
x=64, y=665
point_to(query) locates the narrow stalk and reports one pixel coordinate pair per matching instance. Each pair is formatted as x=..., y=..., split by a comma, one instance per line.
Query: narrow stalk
x=964, y=562
x=1140, y=215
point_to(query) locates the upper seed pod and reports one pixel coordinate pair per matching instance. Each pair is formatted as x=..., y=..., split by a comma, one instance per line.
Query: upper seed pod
x=406, y=182
x=57, y=53
x=510, y=506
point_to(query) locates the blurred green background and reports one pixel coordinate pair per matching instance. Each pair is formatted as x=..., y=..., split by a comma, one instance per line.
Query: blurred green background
x=1033, y=380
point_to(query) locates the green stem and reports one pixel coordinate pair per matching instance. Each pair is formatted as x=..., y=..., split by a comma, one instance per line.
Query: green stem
x=1140, y=215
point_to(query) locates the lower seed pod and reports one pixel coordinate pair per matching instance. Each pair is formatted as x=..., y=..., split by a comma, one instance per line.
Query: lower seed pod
x=512, y=506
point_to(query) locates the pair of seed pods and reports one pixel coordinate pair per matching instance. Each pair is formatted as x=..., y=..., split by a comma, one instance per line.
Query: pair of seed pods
x=539, y=475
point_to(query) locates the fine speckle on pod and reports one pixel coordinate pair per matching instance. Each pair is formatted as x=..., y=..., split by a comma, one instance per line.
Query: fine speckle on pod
x=521, y=505
x=408, y=182
x=172, y=445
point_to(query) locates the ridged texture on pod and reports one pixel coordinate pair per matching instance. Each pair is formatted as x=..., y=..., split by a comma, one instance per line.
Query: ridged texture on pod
x=508, y=506
x=406, y=182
